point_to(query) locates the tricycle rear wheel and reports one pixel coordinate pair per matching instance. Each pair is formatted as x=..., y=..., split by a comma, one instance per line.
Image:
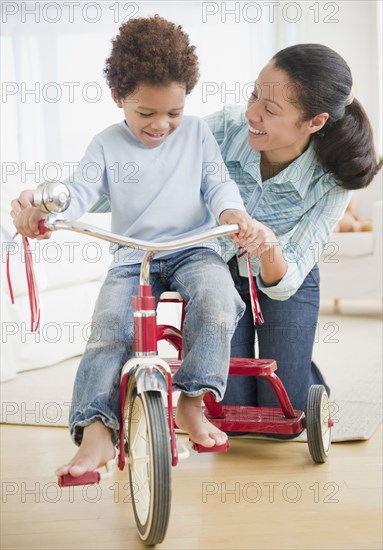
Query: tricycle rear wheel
x=318, y=423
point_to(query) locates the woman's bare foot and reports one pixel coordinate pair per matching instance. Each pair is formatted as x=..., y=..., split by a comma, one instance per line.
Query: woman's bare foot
x=191, y=419
x=96, y=450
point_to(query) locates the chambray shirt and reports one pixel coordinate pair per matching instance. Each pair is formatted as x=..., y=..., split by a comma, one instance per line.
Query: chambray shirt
x=155, y=194
x=301, y=204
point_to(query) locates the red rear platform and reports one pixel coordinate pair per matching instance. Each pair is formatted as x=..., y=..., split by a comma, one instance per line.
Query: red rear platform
x=229, y=418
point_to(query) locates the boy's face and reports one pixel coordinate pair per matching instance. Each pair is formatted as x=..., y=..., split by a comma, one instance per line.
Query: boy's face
x=153, y=112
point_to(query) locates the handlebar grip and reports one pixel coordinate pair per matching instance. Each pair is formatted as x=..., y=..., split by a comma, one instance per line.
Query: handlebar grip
x=43, y=228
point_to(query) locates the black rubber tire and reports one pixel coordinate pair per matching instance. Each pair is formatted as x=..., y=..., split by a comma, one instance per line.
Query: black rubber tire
x=145, y=414
x=317, y=417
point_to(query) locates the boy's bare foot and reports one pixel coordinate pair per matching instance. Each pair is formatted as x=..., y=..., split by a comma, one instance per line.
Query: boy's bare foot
x=190, y=418
x=95, y=450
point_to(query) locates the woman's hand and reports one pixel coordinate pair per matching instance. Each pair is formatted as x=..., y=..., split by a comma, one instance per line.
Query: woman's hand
x=273, y=265
x=263, y=241
x=26, y=217
x=255, y=237
x=258, y=240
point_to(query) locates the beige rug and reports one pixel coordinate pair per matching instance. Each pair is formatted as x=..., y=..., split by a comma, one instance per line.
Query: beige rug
x=348, y=350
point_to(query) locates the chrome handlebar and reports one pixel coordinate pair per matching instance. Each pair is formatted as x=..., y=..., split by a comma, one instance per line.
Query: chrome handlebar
x=54, y=197
x=53, y=223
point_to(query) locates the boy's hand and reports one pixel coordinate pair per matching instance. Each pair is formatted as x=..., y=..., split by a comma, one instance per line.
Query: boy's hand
x=244, y=221
x=26, y=217
x=247, y=226
x=254, y=236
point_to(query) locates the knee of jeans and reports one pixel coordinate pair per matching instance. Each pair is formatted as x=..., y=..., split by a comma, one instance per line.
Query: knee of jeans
x=241, y=307
x=222, y=302
x=229, y=309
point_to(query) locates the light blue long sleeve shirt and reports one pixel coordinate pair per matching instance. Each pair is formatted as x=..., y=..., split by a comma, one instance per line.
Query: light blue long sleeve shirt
x=301, y=204
x=175, y=190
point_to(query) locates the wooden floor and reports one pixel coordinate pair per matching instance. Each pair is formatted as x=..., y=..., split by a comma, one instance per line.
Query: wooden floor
x=260, y=494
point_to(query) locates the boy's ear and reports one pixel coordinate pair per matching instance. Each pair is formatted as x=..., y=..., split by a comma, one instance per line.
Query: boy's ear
x=117, y=101
x=317, y=123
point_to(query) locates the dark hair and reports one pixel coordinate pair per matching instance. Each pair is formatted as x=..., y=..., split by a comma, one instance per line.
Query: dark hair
x=323, y=84
x=150, y=50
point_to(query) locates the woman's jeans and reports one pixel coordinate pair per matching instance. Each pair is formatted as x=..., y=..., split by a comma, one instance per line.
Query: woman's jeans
x=213, y=310
x=287, y=336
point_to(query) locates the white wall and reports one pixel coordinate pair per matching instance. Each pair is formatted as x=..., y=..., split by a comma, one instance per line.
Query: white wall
x=354, y=29
x=357, y=36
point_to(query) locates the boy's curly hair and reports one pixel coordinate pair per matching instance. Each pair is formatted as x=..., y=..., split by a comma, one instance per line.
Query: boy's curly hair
x=150, y=50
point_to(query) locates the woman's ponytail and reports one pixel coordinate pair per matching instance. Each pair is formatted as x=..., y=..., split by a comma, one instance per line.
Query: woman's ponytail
x=346, y=148
x=323, y=79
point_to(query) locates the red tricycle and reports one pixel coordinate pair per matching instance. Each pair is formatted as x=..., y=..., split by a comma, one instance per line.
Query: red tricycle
x=148, y=435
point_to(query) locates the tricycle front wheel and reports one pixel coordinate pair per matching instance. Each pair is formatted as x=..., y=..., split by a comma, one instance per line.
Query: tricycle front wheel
x=148, y=446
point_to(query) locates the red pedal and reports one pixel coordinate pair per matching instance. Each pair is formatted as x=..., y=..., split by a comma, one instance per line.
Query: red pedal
x=86, y=479
x=216, y=449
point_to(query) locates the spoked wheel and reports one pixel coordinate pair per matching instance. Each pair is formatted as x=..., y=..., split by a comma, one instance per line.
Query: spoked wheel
x=318, y=423
x=148, y=445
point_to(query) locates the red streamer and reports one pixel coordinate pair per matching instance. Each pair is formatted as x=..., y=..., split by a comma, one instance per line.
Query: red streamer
x=33, y=292
x=255, y=305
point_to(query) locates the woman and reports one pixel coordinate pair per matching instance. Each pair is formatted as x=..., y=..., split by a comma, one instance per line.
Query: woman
x=296, y=152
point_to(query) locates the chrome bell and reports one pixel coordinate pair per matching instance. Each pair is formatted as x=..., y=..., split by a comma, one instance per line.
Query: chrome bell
x=52, y=197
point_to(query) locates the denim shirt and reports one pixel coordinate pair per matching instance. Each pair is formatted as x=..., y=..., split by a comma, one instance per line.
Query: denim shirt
x=301, y=204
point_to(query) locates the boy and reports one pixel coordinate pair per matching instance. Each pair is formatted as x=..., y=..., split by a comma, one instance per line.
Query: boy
x=162, y=175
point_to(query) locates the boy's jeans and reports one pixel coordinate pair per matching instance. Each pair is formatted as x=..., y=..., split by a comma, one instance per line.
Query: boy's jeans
x=213, y=310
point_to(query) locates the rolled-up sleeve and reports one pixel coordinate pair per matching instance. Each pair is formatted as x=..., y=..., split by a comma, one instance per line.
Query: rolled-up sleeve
x=303, y=247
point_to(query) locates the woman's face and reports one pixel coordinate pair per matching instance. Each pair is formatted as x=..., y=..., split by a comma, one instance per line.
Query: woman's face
x=275, y=121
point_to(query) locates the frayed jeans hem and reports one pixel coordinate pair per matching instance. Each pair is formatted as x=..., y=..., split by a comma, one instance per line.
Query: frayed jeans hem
x=77, y=428
x=217, y=396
